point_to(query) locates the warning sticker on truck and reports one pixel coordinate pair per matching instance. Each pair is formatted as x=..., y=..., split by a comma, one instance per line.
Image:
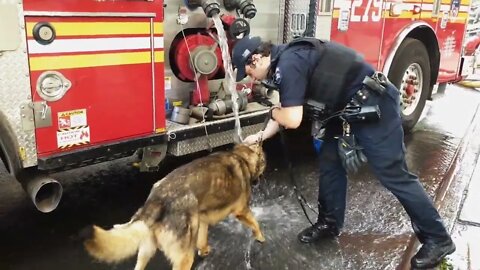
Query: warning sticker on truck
x=67, y=138
x=168, y=83
x=72, y=119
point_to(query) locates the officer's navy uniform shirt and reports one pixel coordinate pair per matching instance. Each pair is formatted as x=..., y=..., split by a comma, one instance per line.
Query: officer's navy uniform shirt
x=293, y=70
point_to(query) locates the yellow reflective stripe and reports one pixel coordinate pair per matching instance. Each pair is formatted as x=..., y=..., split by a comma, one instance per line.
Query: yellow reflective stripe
x=462, y=2
x=100, y=28
x=428, y=15
x=461, y=17
x=158, y=28
x=405, y=14
x=159, y=56
x=160, y=130
x=92, y=60
x=447, y=2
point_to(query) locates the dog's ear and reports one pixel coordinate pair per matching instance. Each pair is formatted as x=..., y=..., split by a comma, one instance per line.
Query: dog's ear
x=259, y=157
x=256, y=148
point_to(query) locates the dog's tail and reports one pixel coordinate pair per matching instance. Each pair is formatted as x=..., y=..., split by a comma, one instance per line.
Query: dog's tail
x=118, y=243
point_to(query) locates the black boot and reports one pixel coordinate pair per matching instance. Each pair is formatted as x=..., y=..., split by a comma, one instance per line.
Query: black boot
x=319, y=230
x=419, y=235
x=432, y=253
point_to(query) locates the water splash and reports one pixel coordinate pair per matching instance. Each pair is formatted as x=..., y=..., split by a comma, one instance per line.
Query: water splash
x=229, y=79
x=248, y=256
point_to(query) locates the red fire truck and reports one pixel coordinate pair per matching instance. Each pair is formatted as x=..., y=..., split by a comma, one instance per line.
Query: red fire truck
x=417, y=44
x=88, y=81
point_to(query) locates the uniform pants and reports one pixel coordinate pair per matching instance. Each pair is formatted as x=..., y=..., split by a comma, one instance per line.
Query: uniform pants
x=383, y=145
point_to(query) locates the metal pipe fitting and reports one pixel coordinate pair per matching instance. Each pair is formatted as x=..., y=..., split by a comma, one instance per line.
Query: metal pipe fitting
x=261, y=91
x=221, y=107
x=245, y=7
x=210, y=7
x=180, y=115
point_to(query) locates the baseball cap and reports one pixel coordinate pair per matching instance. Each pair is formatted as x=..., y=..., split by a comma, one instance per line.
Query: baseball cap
x=242, y=51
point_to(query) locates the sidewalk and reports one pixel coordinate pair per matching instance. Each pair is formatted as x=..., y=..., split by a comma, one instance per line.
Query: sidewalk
x=466, y=230
x=459, y=203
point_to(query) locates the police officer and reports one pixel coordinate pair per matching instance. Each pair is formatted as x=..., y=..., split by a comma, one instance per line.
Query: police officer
x=328, y=73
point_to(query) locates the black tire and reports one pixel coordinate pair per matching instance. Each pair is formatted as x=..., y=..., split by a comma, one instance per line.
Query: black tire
x=8, y=149
x=411, y=56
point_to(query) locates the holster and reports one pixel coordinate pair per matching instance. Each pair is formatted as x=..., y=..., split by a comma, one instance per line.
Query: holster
x=377, y=83
x=364, y=104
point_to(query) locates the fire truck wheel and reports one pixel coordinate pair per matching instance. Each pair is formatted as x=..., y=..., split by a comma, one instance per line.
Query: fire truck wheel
x=410, y=72
x=8, y=154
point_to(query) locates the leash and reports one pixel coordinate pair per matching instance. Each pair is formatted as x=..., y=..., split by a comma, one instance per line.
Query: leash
x=299, y=196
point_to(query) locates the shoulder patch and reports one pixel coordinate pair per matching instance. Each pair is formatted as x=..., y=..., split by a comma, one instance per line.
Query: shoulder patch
x=277, y=77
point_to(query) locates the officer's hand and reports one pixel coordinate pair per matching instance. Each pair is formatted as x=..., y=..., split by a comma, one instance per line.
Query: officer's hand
x=350, y=153
x=252, y=139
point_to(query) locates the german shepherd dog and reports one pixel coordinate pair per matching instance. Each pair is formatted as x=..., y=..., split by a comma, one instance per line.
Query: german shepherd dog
x=181, y=206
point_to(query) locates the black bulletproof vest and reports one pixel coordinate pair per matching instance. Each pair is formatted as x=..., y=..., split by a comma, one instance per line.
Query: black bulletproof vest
x=336, y=66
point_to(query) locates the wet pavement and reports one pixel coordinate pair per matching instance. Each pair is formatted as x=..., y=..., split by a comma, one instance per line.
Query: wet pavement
x=442, y=150
x=466, y=230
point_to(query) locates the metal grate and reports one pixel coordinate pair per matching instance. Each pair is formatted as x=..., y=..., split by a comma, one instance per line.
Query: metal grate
x=297, y=14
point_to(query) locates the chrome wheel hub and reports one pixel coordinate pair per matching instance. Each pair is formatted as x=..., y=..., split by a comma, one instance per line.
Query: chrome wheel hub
x=411, y=88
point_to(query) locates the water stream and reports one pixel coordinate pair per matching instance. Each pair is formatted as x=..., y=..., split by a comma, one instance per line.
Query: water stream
x=229, y=78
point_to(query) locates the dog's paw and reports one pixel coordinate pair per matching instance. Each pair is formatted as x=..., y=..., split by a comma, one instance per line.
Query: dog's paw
x=204, y=252
x=260, y=238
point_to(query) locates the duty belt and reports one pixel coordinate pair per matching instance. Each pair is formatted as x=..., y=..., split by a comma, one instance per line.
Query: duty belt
x=359, y=109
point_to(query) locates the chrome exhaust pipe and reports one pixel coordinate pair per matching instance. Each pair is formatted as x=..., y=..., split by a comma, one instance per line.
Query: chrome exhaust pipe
x=45, y=192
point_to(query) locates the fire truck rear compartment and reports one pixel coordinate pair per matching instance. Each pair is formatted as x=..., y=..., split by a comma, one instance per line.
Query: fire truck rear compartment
x=95, y=79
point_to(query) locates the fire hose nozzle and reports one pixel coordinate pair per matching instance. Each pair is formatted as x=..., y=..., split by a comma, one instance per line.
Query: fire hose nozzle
x=210, y=7
x=245, y=7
